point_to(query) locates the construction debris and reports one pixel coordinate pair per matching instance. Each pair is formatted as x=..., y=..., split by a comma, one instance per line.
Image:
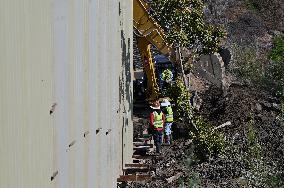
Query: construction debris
x=178, y=165
x=174, y=178
x=228, y=123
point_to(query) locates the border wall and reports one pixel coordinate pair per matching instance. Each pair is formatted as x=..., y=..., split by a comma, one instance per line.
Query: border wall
x=66, y=92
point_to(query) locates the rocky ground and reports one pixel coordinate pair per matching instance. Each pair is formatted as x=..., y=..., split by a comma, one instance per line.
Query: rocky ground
x=245, y=162
x=253, y=155
x=250, y=161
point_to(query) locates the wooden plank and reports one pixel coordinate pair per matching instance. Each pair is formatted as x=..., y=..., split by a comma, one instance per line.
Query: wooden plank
x=141, y=148
x=143, y=139
x=138, y=143
x=147, y=156
x=174, y=178
x=228, y=123
x=133, y=178
x=134, y=170
x=142, y=156
x=143, y=144
x=140, y=166
x=137, y=165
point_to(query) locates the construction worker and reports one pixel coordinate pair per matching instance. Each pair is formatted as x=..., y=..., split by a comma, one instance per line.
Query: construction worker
x=166, y=78
x=157, y=119
x=169, y=118
x=167, y=75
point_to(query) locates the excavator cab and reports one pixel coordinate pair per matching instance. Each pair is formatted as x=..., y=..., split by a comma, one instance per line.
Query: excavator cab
x=149, y=33
x=162, y=65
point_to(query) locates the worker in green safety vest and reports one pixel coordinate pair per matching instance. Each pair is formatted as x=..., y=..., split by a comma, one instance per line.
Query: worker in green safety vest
x=167, y=75
x=157, y=119
x=169, y=118
x=166, y=78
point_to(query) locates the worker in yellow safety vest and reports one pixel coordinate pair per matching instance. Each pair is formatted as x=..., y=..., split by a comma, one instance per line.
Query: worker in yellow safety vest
x=167, y=76
x=157, y=119
x=169, y=118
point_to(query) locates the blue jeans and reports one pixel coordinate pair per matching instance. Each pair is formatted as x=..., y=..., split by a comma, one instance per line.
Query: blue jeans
x=168, y=128
x=158, y=136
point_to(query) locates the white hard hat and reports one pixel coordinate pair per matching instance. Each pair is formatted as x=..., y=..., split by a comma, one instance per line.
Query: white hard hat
x=165, y=102
x=155, y=107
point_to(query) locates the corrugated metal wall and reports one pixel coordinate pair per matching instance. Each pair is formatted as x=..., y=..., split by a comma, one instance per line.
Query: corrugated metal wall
x=77, y=57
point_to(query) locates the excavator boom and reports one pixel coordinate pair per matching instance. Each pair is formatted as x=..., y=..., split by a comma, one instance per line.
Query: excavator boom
x=147, y=27
x=149, y=32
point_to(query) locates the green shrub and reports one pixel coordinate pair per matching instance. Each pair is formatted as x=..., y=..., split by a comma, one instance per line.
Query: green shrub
x=181, y=98
x=252, y=5
x=263, y=69
x=248, y=64
x=277, y=57
x=253, y=144
x=208, y=142
x=183, y=21
x=277, y=52
x=194, y=180
x=282, y=113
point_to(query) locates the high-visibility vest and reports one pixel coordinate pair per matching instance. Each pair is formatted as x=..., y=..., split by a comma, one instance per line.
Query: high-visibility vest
x=169, y=114
x=158, y=120
x=167, y=75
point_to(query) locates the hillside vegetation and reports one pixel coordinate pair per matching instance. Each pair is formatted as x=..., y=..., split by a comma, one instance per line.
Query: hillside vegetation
x=248, y=151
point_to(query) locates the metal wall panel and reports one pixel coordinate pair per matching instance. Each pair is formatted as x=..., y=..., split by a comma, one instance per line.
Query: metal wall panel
x=77, y=55
x=26, y=84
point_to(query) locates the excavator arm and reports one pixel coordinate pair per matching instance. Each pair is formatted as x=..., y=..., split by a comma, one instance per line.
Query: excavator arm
x=149, y=32
x=144, y=47
x=148, y=28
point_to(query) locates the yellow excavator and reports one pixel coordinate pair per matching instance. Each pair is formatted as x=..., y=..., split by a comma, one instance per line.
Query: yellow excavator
x=149, y=33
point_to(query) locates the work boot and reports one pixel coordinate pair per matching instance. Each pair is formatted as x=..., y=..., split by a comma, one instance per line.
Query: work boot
x=167, y=139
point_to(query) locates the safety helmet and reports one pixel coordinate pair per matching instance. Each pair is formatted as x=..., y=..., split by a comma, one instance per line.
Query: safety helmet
x=165, y=102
